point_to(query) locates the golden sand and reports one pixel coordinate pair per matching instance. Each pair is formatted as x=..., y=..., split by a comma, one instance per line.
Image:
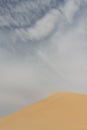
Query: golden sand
x=62, y=111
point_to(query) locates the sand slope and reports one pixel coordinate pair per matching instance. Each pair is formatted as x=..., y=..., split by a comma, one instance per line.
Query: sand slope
x=62, y=111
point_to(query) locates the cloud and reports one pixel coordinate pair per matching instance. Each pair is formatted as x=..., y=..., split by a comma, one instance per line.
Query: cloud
x=45, y=26
x=71, y=8
x=22, y=14
x=42, y=28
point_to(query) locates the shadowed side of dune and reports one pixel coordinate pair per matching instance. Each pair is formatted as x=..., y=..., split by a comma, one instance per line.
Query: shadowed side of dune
x=64, y=111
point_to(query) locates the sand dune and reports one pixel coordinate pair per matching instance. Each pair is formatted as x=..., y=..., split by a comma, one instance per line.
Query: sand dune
x=62, y=111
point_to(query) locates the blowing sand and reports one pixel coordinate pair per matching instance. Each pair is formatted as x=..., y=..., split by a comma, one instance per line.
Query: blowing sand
x=62, y=111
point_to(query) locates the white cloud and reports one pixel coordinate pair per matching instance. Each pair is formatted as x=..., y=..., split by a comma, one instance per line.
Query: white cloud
x=45, y=26
x=70, y=8
x=42, y=28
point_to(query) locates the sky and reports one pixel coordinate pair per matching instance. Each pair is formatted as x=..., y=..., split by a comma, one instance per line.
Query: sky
x=43, y=49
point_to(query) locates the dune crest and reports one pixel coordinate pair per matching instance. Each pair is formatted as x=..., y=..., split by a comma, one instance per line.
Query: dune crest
x=62, y=111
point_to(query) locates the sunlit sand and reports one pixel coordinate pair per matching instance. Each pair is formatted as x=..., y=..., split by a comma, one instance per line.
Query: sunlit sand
x=62, y=111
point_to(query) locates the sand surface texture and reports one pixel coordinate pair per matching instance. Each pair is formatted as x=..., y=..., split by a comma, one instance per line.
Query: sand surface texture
x=62, y=111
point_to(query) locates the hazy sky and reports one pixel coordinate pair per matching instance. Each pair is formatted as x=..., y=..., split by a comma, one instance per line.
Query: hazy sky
x=43, y=49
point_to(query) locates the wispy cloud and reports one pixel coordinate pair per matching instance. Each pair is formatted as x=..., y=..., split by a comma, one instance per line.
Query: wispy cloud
x=42, y=28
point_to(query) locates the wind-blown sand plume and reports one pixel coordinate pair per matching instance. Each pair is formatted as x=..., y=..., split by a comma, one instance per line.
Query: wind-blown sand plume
x=62, y=111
